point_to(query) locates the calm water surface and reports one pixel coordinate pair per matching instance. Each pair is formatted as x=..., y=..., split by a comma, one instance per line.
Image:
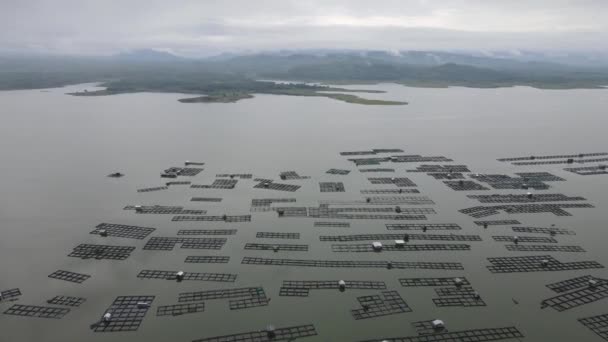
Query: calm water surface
x=56, y=150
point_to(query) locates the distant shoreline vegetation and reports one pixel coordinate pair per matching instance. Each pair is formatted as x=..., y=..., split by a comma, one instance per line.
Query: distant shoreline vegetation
x=476, y=85
x=228, y=80
x=230, y=93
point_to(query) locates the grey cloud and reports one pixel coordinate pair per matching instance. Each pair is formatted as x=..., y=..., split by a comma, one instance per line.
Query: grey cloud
x=206, y=27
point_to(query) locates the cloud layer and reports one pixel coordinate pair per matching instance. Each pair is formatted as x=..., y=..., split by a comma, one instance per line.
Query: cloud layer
x=203, y=27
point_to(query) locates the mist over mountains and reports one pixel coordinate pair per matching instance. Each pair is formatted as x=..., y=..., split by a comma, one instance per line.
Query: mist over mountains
x=416, y=68
x=512, y=58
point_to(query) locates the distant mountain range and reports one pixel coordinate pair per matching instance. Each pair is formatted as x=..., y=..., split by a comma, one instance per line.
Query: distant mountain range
x=420, y=68
x=146, y=69
x=474, y=58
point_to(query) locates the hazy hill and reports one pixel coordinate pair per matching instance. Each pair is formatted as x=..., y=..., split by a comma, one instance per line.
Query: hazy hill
x=150, y=69
x=147, y=55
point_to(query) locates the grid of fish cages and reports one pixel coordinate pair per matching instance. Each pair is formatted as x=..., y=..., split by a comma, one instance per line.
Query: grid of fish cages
x=126, y=314
x=93, y=251
x=331, y=186
x=405, y=237
x=207, y=259
x=476, y=335
x=217, y=184
x=69, y=276
x=537, y=263
x=598, y=324
x=465, y=185
x=387, y=303
x=379, y=206
x=207, y=232
x=290, y=333
x=352, y=263
x=588, y=170
x=332, y=224
x=176, y=275
x=423, y=226
x=123, y=231
x=36, y=311
x=389, y=191
x=66, y=301
x=158, y=243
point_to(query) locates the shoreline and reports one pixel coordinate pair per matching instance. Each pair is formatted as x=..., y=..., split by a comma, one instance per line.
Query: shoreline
x=235, y=96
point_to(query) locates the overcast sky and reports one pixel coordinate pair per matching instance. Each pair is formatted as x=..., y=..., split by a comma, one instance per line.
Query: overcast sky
x=204, y=27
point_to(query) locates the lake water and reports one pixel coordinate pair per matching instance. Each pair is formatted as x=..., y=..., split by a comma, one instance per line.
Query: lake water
x=56, y=151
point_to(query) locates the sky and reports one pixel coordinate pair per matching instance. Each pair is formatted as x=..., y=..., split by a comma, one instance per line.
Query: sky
x=208, y=27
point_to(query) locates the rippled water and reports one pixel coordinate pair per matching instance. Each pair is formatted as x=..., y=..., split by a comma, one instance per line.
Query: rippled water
x=56, y=151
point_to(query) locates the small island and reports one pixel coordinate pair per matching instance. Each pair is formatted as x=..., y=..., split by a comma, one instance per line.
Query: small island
x=230, y=91
x=221, y=98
